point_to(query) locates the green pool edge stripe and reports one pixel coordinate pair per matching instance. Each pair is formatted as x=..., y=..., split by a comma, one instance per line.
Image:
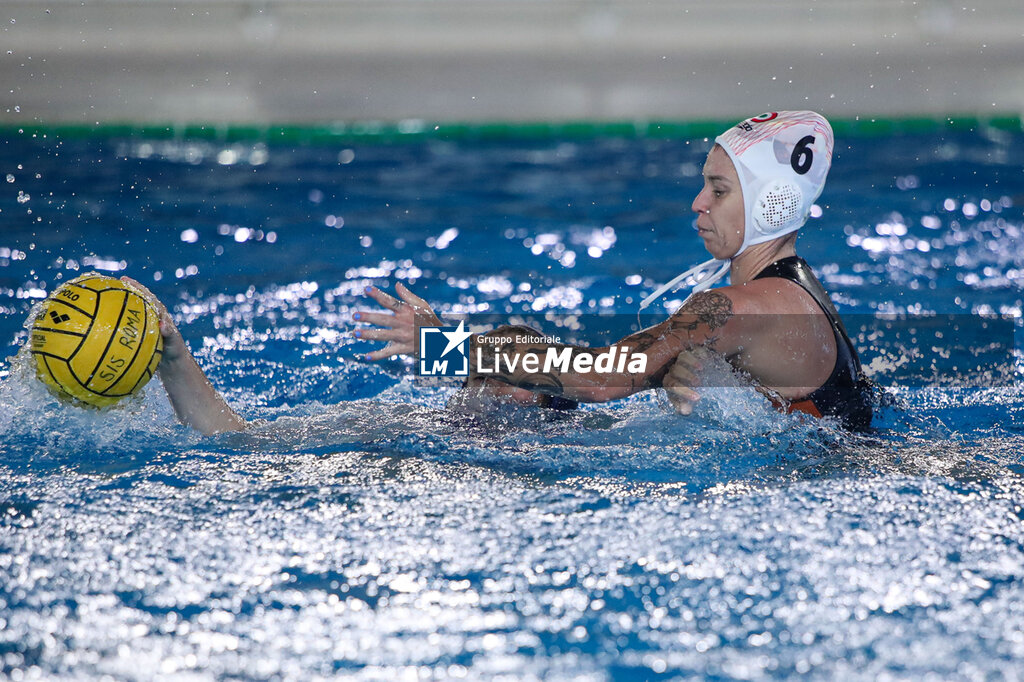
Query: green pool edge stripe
x=413, y=130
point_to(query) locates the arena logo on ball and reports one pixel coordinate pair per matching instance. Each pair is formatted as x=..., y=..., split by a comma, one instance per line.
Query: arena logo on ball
x=444, y=351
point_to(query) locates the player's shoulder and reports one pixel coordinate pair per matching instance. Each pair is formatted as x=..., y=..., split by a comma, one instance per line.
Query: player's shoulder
x=719, y=312
x=746, y=309
x=731, y=300
x=762, y=296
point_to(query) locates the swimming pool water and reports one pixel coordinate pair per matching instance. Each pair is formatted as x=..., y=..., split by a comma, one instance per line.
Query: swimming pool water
x=363, y=529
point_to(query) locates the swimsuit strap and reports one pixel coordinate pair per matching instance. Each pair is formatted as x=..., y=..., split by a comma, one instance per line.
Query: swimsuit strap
x=796, y=270
x=846, y=391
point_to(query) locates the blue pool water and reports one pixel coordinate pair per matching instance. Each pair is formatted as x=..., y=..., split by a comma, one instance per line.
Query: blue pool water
x=362, y=529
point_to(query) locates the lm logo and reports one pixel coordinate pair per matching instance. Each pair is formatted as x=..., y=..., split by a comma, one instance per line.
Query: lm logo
x=444, y=351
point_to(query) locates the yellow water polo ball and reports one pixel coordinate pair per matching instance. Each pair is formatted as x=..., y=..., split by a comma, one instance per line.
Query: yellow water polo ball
x=96, y=340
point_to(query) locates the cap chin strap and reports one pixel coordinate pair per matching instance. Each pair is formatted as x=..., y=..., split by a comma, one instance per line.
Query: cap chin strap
x=775, y=213
x=702, y=274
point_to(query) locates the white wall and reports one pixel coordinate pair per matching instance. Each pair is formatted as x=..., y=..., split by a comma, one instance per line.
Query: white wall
x=305, y=61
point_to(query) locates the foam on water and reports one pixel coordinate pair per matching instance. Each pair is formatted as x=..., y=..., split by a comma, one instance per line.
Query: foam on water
x=408, y=420
x=378, y=564
x=41, y=425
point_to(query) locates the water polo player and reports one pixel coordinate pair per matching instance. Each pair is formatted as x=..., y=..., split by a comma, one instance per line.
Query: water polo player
x=774, y=322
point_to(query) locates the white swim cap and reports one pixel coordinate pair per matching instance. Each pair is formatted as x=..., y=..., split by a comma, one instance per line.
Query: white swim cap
x=782, y=159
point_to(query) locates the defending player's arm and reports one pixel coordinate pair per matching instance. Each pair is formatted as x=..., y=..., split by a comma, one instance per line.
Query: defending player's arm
x=195, y=401
x=701, y=322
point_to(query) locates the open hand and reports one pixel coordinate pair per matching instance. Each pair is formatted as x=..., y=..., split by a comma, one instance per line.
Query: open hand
x=400, y=327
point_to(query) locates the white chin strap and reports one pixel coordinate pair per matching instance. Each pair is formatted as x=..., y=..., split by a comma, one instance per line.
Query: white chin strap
x=701, y=274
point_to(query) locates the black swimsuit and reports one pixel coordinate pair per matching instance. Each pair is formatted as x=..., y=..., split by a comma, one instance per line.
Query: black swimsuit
x=846, y=393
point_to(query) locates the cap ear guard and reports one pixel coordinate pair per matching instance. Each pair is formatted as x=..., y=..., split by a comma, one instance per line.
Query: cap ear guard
x=778, y=208
x=782, y=159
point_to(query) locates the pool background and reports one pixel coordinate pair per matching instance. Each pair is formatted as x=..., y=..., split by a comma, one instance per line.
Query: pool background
x=364, y=529
x=227, y=62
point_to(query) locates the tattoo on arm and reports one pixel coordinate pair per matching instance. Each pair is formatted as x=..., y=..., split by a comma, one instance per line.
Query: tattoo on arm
x=707, y=312
x=709, y=308
x=641, y=341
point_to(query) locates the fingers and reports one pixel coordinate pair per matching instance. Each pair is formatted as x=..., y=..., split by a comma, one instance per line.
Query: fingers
x=135, y=284
x=401, y=326
x=683, y=393
x=409, y=297
x=683, y=408
x=379, y=319
x=144, y=292
x=386, y=320
x=682, y=399
x=167, y=326
x=690, y=359
x=378, y=355
x=398, y=327
x=388, y=351
x=678, y=383
x=683, y=371
x=378, y=334
x=681, y=376
x=385, y=300
x=676, y=388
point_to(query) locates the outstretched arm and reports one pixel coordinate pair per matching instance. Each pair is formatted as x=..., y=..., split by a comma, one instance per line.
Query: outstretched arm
x=701, y=322
x=195, y=401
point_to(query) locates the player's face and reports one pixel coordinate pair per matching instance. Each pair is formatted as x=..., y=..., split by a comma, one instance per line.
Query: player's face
x=719, y=206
